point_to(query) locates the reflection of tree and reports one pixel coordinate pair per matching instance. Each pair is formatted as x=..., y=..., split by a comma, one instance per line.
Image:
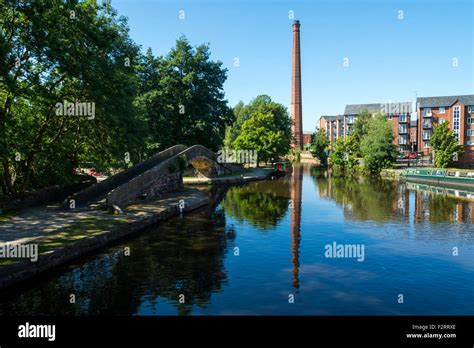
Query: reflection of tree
x=261, y=203
x=364, y=198
x=183, y=256
x=442, y=208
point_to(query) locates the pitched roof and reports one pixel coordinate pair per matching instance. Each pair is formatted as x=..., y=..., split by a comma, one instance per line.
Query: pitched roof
x=387, y=108
x=356, y=109
x=333, y=118
x=424, y=102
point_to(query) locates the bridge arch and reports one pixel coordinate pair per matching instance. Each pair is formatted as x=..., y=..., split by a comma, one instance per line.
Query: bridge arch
x=167, y=176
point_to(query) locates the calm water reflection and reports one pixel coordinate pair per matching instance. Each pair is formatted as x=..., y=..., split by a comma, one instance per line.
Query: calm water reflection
x=266, y=240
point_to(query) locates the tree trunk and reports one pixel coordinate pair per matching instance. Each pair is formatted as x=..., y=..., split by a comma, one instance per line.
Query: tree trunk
x=7, y=178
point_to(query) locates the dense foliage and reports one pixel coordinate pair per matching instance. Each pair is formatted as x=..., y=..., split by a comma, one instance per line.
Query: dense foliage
x=445, y=145
x=377, y=147
x=55, y=53
x=262, y=125
x=319, y=146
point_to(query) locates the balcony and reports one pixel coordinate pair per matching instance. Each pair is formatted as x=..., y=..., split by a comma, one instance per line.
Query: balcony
x=426, y=136
x=402, y=130
x=402, y=119
x=426, y=113
x=426, y=124
x=402, y=141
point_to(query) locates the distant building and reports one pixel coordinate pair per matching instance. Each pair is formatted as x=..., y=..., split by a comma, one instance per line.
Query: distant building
x=306, y=140
x=333, y=125
x=398, y=113
x=458, y=111
x=414, y=135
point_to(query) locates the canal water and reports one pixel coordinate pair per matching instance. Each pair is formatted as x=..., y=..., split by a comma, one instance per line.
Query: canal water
x=265, y=248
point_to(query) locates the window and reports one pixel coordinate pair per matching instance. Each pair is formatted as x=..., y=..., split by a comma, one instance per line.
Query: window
x=427, y=111
x=402, y=140
x=456, y=116
x=441, y=120
x=402, y=118
x=470, y=132
x=470, y=120
x=426, y=135
x=426, y=145
x=470, y=109
x=442, y=110
x=402, y=128
x=470, y=142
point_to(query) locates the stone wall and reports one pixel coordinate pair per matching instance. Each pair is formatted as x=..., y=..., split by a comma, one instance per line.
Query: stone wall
x=121, y=178
x=167, y=176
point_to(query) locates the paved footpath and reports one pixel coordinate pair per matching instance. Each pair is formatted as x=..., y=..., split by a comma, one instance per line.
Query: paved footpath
x=63, y=235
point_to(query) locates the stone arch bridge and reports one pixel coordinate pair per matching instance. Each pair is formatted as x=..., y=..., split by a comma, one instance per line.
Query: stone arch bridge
x=155, y=176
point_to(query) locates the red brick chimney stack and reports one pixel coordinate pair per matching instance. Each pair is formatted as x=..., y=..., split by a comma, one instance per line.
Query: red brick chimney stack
x=296, y=112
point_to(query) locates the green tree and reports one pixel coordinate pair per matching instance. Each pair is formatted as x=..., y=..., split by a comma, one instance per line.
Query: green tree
x=344, y=155
x=445, y=145
x=54, y=51
x=261, y=132
x=360, y=128
x=261, y=104
x=377, y=148
x=319, y=146
x=182, y=98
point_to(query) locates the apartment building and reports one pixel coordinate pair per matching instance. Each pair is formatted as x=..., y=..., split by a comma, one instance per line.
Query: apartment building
x=333, y=125
x=458, y=111
x=398, y=113
x=414, y=135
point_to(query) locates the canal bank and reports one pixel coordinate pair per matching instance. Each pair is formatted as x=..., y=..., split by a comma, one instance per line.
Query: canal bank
x=62, y=236
x=82, y=232
x=238, y=178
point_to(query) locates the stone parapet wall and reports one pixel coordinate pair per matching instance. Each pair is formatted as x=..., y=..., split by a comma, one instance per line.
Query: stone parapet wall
x=166, y=176
x=121, y=178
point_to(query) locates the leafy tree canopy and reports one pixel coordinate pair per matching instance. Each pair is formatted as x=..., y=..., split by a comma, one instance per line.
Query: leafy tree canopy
x=445, y=144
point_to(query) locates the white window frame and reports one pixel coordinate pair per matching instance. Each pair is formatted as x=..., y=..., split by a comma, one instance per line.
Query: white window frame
x=470, y=120
x=402, y=118
x=456, y=120
x=470, y=109
x=470, y=132
x=441, y=120
x=428, y=112
x=442, y=110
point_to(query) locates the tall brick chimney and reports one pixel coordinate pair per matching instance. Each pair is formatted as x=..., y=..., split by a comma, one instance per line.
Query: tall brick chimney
x=296, y=112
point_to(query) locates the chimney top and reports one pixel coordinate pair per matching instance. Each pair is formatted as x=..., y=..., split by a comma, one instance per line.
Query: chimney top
x=296, y=22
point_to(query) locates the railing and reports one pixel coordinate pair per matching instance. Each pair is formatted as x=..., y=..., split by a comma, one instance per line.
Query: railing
x=426, y=114
x=402, y=119
x=402, y=130
x=427, y=124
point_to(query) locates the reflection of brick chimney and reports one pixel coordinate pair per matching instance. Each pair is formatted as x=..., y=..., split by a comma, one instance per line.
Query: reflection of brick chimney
x=295, y=109
x=296, y=187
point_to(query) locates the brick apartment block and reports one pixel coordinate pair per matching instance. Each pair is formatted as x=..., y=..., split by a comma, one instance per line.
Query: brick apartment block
x=458, y=111
x=398, y=113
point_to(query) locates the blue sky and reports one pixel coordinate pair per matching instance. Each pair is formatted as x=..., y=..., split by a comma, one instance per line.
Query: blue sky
x=390, y=59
